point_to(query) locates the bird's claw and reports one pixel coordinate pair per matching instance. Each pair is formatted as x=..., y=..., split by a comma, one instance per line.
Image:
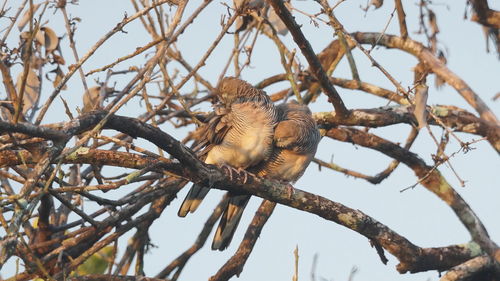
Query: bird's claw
x=245, y=174
x=290, y=190
x=229, y=170
x=240, y=172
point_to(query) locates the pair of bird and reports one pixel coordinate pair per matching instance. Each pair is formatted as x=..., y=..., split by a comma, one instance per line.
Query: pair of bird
x=247, y=132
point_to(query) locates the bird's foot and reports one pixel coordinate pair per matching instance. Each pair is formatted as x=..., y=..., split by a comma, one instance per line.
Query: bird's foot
x=245, y=174
x=229, y=169
x=239, y=171
x=289, y=189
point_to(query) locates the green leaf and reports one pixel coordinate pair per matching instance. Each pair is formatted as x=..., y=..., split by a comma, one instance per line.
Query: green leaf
x=97, y=263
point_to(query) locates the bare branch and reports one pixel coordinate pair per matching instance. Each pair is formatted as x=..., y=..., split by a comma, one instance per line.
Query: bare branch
x=440, y=69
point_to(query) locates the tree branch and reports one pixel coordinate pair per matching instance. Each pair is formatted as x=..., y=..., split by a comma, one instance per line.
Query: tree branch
x=440, y=69
x=429, y=177
x=412, y=258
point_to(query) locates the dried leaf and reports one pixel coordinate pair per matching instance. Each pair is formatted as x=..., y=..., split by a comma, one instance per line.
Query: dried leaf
x=58, y=59
x=252, y=4
x=39, y=38
x=377, y=3
x=59, y=76
x=433, y=22
x=421, y=71
x=31, y=90
x=27, y=16
x=23, y=39
x=421, y=94
x=133, y=68
x=51, y=39
x=243, y=23
x=246, y=21
x=36, y=62
x=24, y=35
x=92, y=99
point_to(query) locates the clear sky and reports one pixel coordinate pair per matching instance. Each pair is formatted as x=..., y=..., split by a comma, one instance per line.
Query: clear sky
x=416, y=214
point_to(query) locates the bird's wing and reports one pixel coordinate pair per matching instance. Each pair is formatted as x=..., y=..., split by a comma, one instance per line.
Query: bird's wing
x=213, y=132
x=287, y=134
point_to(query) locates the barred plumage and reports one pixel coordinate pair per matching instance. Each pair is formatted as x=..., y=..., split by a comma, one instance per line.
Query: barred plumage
x=296, y=139
x=239, y=134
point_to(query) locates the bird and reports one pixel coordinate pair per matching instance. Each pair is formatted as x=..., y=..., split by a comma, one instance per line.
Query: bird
x=238, y=135
x=295, y=141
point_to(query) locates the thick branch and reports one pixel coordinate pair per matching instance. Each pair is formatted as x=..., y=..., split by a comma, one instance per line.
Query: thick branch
x=412, y=258
x=31, y=130
x=429, y=177
x=83, y=155
x=470, y=270
x=105, y=277
x=453, y=117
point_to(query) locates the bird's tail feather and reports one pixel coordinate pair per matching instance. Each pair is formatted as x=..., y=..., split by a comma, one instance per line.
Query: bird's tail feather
x=193, y=199
x=229, y=222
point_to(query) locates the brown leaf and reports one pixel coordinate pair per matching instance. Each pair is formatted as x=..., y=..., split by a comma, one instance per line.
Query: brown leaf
x=27, y=16
x=51, y=39
x=39, y=37
x=36, y=62
x=58, y=59
x=92, y=99
x=59, y=76
x=421, y=94
x=377, y=3
x=23, y=39
x=31, y=90
x=433, y=22
x=421, y=71
x=133, y=68
x=252, y=4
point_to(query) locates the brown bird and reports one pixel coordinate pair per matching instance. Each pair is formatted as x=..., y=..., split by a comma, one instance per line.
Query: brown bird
x=239, y=134
x=296, y=139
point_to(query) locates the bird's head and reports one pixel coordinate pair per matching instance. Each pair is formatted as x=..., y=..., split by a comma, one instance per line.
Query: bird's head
x=293, y=108
x=232, y=89
x=227, y=91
